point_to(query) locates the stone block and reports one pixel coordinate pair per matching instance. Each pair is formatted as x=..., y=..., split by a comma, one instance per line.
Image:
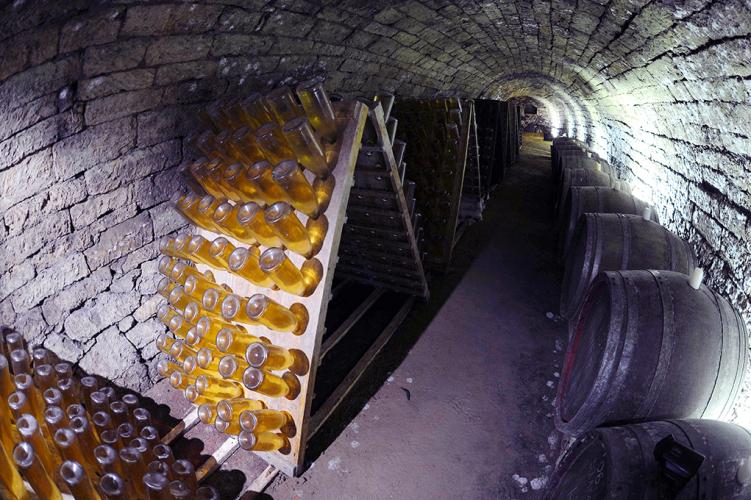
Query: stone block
x=27, y=178
x=123, y=104
x=15, y=278
x=325, y=31
x=101, y=143
x=28, y=141
x=114, y=83
x=98, y=313
x=111, y=355
x=136, y=258
x=132, y=166
x=7, y=314
x=94, y=207
x=145, y=20
x=388, y=16
x=93, y=29
x=290, y=24
x=31, y=325
x=34, y=238
x=57, y=307
x=166, y=219
x=50, y=281
x=172, y=49
x=117, y=56
x=178, y=72
x=126, y=282
x=240, y=44
x=147, y=309
x=27, y=115
x=126, y=323
x=38, y=81
x=120, y=240
x=135, y=377
x=65, y=348
x=165, y=124
x=156, y=189
x=145, y=332
x=248, y=66
x=197, y=91
x=238, y=20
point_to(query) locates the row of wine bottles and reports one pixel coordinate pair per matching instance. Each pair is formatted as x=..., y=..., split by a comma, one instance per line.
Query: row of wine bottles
x=62, y=434
x=256, y=154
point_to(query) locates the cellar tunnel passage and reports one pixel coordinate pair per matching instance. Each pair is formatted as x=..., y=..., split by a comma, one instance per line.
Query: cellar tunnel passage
x=97, y=98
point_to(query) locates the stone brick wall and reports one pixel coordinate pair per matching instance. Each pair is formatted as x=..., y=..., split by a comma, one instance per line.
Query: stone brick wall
x=95, y=99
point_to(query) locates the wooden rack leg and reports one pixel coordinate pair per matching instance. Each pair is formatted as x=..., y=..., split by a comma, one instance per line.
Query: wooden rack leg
x=186, y=424
x=217, y=458
x=333, y=401
x=263, y=480
x=353, y=318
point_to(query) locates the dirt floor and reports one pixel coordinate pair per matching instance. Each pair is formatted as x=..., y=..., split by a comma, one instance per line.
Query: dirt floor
x=467, y=411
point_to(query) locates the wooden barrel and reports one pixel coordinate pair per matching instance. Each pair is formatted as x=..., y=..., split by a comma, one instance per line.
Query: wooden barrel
x=557, y=152
x=596, y=200
x=573, y=177
x=620, y=463
x=618, y=242
x=648, y=346
x=572, y=161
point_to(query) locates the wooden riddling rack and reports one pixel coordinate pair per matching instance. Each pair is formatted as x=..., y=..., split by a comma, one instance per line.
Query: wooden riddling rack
x=473, y=197
x=381, y=240
x=498, y=138
x=438, y=132
x=350, y=117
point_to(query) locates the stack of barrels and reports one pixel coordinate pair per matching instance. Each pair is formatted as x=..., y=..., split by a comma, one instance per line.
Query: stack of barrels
x=655, y=358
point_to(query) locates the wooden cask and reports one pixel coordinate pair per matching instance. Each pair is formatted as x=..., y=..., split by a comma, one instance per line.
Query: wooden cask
x=618, y=242
x=573, y=177
x=648, y=346
x=640, y=461
x=598, y=200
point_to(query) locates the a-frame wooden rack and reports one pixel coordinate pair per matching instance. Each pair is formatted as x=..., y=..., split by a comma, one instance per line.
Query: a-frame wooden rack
x=343, y=155
x=380, y=244
x=437, y=160
x=472, y=202
x=351, y=116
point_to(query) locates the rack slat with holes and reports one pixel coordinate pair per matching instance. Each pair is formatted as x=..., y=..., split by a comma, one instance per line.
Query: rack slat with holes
x=382, y=208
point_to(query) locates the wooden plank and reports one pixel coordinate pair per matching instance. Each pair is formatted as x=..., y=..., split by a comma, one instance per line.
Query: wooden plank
x=351, y=117
x=385, y=234
x=408, y=290
x=336, y=398
x=353, y=318
x=401, y=259
x=262, y=481
x=220, y=455
x=187, y=423
x=353, y=271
